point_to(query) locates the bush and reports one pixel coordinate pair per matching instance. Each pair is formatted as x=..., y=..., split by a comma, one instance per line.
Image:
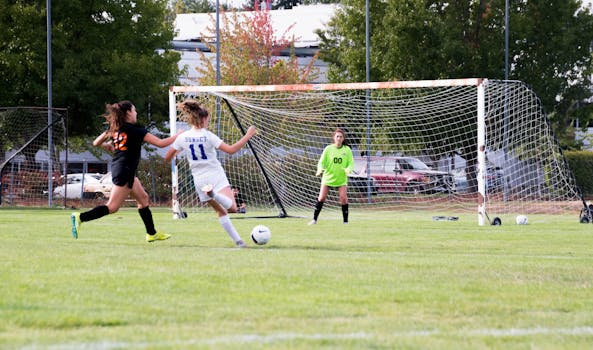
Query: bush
x=581, y=164
x=157, y=172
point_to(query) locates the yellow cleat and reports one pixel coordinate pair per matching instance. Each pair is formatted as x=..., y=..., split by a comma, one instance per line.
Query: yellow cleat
x=157, y=237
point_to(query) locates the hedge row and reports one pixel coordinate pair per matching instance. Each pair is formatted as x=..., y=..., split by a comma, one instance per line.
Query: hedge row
x=581, y=164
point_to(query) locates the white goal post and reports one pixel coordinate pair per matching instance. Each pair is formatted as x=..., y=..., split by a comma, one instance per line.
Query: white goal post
x=440, y=146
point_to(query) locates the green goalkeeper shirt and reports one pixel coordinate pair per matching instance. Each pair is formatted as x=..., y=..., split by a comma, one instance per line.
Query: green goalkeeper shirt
x=336, y=164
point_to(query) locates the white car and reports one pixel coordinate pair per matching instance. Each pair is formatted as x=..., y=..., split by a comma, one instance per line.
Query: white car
x=100, y=189
x=73, y=186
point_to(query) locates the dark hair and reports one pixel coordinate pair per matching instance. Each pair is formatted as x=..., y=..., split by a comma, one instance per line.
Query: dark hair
x=341, y=131
x=116, y=114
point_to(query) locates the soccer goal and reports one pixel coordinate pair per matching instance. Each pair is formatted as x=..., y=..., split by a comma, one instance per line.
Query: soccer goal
x=442, y=146
x=30, y=143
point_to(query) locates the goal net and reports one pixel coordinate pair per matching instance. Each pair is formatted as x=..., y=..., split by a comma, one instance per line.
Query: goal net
x=30, y=143
x=444, y=147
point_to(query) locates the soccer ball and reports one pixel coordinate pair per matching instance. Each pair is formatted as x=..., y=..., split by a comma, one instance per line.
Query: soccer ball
x=261, y=234
x=521, y=220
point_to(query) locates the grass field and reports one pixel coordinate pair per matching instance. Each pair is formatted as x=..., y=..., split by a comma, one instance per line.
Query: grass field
x=385, y=281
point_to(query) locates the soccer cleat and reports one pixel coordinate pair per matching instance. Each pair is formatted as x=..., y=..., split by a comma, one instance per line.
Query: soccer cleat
x=75, y=220
x=208, y=189
x=241, y=244
x=312, y=222
x=345, y=222
x=157, y=237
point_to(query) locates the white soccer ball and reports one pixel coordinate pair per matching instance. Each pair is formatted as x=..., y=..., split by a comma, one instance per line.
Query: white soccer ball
x=521, y=220
x=261, y=234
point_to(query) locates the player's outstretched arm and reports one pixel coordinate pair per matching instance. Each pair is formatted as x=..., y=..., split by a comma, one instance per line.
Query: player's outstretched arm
x=171, y=153
x=102, y=141
x=235, y=147
x=156, y=141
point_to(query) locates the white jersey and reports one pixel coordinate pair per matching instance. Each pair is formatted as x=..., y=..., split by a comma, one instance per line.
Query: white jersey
x=200, y=147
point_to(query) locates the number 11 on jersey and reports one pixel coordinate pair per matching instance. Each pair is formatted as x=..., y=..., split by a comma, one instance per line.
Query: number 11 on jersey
x=193, y=152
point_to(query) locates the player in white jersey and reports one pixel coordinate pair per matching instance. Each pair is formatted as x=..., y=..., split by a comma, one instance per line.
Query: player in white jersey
x=210, y=180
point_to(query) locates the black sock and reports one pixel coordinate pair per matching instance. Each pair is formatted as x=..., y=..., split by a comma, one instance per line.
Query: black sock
x=318, y=207
x=146, y=216
x=95, y=213
x=345, y=212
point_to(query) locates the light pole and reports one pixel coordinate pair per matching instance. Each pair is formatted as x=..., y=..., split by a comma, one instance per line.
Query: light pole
x=368, y=96
x=506, y=40
x=217, y=65
x=506, y=86
x=50, y=164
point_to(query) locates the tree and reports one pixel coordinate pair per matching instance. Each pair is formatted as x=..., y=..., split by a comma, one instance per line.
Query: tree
x=249, y=53
x=550, y=46
x=103, y=51
x=194, y=6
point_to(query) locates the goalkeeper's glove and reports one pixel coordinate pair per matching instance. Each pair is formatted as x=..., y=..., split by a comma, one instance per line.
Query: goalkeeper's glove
x=319, y=172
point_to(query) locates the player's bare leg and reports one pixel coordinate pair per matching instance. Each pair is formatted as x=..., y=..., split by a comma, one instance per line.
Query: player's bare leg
x=225, y=222
x=224, y=197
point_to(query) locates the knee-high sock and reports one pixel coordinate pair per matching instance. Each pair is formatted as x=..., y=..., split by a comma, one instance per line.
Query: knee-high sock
x=223, y=200
x=146, y=216
x=95, y=213
x=225, y=222
x=345, y=212
x=318, y=207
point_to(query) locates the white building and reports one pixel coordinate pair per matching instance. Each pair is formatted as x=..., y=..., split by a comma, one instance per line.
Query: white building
x=191, y=32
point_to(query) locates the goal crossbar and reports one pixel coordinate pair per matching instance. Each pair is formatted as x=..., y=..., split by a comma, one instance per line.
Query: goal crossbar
x=329, y=87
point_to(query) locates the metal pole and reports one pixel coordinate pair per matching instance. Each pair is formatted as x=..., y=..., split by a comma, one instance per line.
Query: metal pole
x=50, y=164
x=506, y=40
x=217, y=65
x=506, y=97
x=368, y=98
x=150, y=157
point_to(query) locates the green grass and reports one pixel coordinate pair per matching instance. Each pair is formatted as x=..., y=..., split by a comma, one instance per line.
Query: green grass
x=385, y=281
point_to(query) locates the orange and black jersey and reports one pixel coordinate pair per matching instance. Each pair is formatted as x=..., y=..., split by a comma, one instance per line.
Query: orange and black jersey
x=128, y=142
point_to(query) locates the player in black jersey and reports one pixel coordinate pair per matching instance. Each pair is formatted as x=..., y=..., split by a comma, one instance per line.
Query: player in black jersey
x=125, y=139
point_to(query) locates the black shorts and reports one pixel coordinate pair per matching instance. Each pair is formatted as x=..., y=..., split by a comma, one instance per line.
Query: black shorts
x=123, y=176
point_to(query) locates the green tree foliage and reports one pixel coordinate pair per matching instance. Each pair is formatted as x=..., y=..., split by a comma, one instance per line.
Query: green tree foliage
x=103, y=51
x=550, y=46
x=249, y=51
x=581, y=163
x=193, y=6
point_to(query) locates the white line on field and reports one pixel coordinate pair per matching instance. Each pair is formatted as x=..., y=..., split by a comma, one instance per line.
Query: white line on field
x=271, y=338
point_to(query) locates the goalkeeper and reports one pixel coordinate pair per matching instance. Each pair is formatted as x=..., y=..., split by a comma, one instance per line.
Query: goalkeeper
x=335, y=164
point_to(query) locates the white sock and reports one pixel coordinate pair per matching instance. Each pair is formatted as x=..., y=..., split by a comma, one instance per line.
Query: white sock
x=225, y=222
x=223, y=200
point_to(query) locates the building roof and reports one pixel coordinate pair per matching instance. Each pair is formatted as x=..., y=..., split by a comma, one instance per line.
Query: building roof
x=190, y=27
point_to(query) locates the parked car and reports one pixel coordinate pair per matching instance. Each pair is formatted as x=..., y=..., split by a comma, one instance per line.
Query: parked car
x=359, y=184
x=100, y=189
x=404, y=174
x=72, y=187
x=494, y=179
